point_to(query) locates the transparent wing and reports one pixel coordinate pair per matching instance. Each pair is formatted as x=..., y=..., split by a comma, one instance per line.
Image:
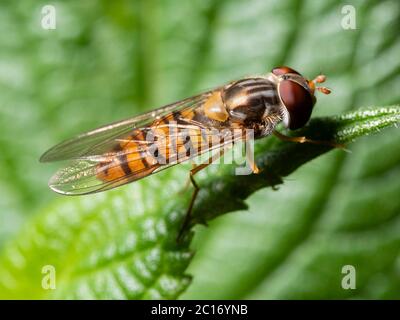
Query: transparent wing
x=81, y=176
x=103, y=140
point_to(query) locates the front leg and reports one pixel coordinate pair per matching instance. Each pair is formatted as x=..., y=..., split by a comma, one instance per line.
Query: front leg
x=303, y=139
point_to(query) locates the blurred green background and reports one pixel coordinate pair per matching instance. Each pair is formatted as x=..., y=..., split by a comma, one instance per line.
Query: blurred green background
x=108, y=60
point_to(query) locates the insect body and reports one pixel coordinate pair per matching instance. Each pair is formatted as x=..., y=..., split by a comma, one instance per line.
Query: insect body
x=129, y=150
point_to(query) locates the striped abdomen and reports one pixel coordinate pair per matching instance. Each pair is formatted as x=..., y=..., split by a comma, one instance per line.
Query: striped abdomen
x=169, y=140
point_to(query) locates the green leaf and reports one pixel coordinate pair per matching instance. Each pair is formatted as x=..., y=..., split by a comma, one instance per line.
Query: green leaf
x=119, y=245
x=108, y=60
x=122, y=244
x=295, y=242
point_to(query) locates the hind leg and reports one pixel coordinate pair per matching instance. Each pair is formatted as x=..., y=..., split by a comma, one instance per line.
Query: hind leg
x=194, y=170
x=188, y=215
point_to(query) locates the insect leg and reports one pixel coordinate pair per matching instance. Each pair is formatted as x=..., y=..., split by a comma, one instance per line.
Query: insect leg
x=253, y=165
x=192, y=200
x=195, y=170
x=187, y=183
x=306, y=140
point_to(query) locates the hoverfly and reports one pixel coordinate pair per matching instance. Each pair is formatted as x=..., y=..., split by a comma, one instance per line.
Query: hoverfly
x=129, y=150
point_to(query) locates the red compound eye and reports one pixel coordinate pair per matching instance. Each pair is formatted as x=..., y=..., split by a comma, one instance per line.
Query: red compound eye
x=278, y=71
x=298, y=102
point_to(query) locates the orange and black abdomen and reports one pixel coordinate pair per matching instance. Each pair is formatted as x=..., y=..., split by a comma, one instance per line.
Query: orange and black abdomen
x=126, y=160
x=168, y=140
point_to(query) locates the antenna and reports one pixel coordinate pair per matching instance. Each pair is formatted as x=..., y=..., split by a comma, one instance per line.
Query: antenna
x=319, y=79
